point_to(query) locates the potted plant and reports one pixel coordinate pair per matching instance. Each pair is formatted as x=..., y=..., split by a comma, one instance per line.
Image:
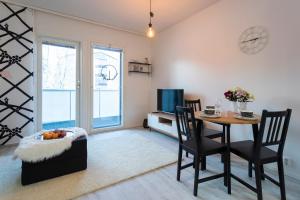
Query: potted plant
x=239, y=95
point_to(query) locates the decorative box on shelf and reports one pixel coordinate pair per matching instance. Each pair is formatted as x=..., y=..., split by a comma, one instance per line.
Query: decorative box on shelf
x=139, y=67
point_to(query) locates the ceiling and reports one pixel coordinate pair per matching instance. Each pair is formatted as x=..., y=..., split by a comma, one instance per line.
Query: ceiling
x=130, y=15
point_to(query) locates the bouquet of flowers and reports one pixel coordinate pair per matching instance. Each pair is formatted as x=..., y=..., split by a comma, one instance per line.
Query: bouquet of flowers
x=239, y=95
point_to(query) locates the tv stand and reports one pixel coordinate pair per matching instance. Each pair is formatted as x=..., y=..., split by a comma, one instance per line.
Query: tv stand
x=163, y=122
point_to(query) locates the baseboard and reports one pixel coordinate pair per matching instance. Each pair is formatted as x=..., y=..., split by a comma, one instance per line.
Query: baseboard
x=272, y=168
x=294, y=176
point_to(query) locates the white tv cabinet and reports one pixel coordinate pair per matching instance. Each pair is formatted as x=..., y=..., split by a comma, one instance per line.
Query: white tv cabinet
x=164, y=123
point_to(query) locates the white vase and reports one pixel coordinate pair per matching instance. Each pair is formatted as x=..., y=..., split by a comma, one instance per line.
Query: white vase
x=242, y=106
x=235, y=106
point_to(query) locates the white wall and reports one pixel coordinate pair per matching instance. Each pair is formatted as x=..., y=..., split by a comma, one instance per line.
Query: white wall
x=136, y=86
x=201, y=55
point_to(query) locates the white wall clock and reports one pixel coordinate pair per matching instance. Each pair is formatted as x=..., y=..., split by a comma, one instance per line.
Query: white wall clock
x=253, y=40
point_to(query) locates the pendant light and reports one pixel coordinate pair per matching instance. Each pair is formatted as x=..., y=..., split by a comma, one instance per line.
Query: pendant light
x=150, y=31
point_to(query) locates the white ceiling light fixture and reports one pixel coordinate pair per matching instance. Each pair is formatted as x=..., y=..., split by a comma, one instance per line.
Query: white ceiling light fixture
x=150, y=31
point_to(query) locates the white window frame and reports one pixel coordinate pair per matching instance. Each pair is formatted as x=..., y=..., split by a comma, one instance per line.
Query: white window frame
x=39, y=74
x=117, y=127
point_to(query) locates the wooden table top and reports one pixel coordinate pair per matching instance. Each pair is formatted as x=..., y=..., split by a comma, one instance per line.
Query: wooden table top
x=226, y=118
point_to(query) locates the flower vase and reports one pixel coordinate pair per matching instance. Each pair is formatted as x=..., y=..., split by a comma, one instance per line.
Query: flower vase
x=235, y=107
x=242, y=106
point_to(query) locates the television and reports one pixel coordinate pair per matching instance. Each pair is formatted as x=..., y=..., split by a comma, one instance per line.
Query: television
x=168, y=99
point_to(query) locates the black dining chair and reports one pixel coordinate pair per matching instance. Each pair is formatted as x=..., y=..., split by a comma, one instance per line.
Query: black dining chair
x=192, y=141
x=272, y=132
x=210, y=133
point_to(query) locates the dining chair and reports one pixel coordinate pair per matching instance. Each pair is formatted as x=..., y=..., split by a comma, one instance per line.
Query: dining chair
x=192, y=141
x=272, y=132
x=210, y=133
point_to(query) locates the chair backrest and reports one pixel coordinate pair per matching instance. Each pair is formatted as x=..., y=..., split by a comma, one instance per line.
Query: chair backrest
x=273, y=129
x=194, y=104
x=186, y=125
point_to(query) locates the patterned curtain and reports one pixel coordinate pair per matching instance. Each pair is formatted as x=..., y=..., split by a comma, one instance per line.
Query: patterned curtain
x=16, y=72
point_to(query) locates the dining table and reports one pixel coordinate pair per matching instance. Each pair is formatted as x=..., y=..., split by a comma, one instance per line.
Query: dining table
x=226, y=119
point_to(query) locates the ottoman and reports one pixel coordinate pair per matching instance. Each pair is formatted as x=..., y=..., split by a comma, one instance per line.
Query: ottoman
x=72, y=160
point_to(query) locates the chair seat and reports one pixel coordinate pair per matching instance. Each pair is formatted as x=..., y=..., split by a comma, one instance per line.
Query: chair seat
x=245, y=149
x=207, y=146
x=210, y=133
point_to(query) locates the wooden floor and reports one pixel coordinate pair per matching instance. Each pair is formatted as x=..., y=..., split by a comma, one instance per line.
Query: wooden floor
x=162, y=184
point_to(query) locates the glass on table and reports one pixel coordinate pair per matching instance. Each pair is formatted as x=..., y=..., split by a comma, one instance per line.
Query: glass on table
x=218, y=106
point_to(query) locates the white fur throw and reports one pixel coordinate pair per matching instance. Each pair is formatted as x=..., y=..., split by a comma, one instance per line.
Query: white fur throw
x=31, y=149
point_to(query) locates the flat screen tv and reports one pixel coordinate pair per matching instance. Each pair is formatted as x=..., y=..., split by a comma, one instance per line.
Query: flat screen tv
x=168, y=99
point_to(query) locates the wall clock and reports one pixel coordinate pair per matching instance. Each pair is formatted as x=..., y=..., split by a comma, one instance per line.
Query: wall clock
x=109, y=72
x=253, y=40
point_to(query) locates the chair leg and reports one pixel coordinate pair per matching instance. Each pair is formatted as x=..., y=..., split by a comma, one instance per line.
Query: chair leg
x=179, y=163
x=203, y=163
x=250, y=169
x=196, y=178
x=262, y=172
x=258, y=181
x=194, y=162
x=187, y=154
x=281, y=179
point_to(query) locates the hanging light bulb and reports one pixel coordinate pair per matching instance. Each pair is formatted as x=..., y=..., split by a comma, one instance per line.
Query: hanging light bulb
x=150, y=31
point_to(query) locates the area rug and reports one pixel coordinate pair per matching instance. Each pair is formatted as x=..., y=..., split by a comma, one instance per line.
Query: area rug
x=112, y=158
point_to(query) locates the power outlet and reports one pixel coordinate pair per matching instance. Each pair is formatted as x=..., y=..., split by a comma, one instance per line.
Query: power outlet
x=287, y=161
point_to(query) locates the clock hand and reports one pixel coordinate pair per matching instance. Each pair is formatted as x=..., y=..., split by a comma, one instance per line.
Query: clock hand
x=254, y=39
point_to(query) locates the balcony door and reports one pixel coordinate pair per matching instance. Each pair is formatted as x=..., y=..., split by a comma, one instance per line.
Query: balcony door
x=60, y=84
x=107, y=87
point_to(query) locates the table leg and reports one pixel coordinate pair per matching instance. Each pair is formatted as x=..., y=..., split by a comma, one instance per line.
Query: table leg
x=228, y=157
x=226, y=131
x=223, y=142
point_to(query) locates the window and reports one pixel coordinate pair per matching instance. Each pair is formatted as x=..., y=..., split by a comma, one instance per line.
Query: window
x=59, y=84
x=107, y=101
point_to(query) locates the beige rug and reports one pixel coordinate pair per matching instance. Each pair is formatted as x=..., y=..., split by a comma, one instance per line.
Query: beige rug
x=112, y=158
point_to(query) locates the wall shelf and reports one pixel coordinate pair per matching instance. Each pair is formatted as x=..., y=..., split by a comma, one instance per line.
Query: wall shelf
x=137, y=67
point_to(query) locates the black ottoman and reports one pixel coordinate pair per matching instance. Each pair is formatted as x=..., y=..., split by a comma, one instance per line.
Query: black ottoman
x=72, y=160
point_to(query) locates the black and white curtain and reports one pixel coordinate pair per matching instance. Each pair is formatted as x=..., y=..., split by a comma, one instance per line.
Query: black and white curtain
x=16, y=72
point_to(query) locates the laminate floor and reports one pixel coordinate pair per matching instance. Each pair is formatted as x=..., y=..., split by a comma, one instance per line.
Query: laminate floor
x=162, y=184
